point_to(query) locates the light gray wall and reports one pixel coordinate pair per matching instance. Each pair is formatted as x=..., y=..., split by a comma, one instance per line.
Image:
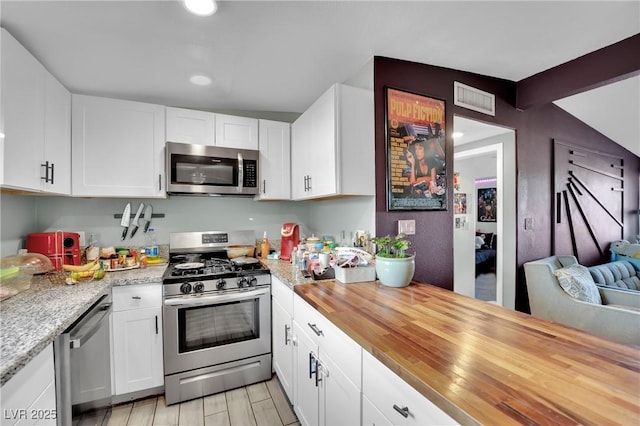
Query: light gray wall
x=22, y=215
x=18, y=217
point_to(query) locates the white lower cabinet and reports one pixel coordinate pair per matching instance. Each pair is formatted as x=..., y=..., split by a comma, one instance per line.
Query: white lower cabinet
x=394, y=400
x=29, y=397
x=327, y=370
x=282, y=334
x=371, y=415
x=137, y=338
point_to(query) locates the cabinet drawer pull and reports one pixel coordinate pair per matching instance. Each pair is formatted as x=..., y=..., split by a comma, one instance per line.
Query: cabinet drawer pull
x=136, y=297
x=404, y=411
x=315, y=329
x=286, y=335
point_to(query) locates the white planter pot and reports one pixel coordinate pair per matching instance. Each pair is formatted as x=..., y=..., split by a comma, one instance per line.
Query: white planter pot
x=395, y=272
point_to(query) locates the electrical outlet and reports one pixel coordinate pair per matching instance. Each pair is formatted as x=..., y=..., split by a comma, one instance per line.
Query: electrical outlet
x=528, y=223
x=407, y=227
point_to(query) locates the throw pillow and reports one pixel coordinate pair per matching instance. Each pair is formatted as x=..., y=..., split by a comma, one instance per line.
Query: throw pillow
x=577, y=282
x=479, y=242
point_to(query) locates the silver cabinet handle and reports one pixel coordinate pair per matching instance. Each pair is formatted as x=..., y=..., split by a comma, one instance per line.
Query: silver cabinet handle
x=264, y=186
x=315, y=329
x=136, y=297
x=404, y=411
x=286, y=334
x=159, y=181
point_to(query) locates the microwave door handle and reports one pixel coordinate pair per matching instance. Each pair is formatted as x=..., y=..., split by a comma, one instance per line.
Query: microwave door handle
x=240, y=172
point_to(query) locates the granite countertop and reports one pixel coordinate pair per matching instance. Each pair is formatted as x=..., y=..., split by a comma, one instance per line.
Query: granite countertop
x=31, y=320
x=479, y=362
x=287, y=273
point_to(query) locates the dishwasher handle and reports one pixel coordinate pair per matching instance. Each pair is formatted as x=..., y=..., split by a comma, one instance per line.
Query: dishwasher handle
x=96, y=318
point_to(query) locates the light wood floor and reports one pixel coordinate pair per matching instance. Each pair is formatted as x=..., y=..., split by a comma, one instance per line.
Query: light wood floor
x=259, y=404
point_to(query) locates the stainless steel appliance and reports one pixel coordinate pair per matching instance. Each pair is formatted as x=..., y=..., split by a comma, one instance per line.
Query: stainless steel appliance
x=83, y=363
x=216, y=316
x=211, y=170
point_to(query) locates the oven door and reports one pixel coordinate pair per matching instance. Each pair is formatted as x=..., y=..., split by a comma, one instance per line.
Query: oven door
x=206, y=330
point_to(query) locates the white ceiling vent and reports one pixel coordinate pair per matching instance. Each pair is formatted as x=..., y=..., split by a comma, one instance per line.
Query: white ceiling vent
x=475, y=99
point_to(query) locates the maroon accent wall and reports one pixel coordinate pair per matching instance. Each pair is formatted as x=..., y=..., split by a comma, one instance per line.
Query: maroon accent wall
x=536, y=128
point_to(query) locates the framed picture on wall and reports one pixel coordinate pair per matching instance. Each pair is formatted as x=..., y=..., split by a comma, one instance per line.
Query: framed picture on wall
x=487, y=204
x=415, y=146
x=459, y=203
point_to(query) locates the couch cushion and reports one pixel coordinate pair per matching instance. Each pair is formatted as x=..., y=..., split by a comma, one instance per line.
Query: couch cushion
x=577, y=282
x=619, y=274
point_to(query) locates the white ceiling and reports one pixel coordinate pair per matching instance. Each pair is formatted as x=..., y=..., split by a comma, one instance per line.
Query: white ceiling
x=266, y=56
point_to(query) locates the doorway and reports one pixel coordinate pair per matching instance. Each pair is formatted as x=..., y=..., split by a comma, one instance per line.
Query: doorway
x=484, y=232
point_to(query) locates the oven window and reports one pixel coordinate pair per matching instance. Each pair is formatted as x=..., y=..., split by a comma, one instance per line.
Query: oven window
x=216, y=325
x=200, y=170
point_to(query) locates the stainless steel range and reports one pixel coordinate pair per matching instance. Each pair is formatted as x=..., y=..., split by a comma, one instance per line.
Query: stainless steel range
x=217, y=316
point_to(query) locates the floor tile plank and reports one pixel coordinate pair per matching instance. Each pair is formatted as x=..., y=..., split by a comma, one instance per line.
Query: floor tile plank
x=240, y=412
x=118, y=415
x=215, y=404
x=265, y=413
x=166, y=415
x=281, y=402
x=142, y=412
x=218, y=419
x=192, y=413
x=258, y=392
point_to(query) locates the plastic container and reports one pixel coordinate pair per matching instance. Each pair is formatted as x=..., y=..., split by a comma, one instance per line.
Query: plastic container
x=17, y=271
x=356, y=275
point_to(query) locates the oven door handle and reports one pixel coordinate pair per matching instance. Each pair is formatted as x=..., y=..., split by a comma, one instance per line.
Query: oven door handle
x=218, y=298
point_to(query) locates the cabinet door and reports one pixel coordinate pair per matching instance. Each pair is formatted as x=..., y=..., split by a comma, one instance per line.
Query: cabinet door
x=137, y=349
x=236, y=132
x=275, y=160
x=190, y=126
x=339, y=397
x=306, y=391
x=300, y=155
x=283, y=347
x=57, y=138
x=23, y=109
x=371, y=416
x=29, y=397
x=118, y=148
x=322, y=163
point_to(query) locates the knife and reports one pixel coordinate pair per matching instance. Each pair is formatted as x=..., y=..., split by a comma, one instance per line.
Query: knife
x=148, y=213
x=126, y=217
x=135, y=221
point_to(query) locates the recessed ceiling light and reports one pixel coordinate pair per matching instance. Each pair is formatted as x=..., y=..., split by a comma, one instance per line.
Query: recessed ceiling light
x=457, y=134
x=200, y=80
x=201, y=7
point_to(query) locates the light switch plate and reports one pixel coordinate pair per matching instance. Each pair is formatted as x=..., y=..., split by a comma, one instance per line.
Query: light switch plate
x=407, y=227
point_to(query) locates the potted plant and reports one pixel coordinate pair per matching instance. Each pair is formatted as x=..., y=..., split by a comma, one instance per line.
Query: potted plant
x=394, y=266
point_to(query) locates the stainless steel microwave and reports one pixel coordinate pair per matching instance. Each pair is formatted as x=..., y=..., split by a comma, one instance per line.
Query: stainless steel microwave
x=211, y=170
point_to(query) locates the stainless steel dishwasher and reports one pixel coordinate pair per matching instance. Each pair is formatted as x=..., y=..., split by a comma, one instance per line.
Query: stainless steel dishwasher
x=82, y=357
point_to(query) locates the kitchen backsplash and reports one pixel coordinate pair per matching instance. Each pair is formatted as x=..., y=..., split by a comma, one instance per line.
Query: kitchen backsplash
x=23, y=214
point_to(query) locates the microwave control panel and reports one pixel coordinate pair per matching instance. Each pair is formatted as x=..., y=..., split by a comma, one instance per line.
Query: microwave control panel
x=250, y=174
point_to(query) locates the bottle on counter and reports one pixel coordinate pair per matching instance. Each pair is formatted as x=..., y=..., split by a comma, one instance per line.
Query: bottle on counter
x=294, y=256
x=151, y=243
x=264, y=247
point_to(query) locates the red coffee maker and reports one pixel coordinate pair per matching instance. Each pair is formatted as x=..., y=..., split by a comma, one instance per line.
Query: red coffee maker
x=290, y=237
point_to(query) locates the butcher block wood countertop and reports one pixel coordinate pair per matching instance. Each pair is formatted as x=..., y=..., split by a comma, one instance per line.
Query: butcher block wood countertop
x=484, y=364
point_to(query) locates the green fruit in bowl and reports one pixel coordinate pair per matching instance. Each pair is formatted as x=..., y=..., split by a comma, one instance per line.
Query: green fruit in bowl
x=8, y=273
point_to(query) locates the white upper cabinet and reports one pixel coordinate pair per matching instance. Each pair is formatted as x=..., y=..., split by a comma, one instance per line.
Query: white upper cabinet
x=118, y=148
x=332, y=148
x=190, y=126
x=236, y=132
x=275, y=160
x=36, y=123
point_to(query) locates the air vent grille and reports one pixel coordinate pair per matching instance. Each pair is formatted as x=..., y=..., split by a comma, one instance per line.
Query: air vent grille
x=475, y=99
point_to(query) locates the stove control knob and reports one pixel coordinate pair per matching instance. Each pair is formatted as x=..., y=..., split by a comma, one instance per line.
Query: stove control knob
x=198, y=287
x=252, y=281
x=221, y=284
x=185, y=288
x=242, y=281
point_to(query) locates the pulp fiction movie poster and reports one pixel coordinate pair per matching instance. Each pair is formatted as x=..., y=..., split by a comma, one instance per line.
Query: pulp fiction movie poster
x=416, y=175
